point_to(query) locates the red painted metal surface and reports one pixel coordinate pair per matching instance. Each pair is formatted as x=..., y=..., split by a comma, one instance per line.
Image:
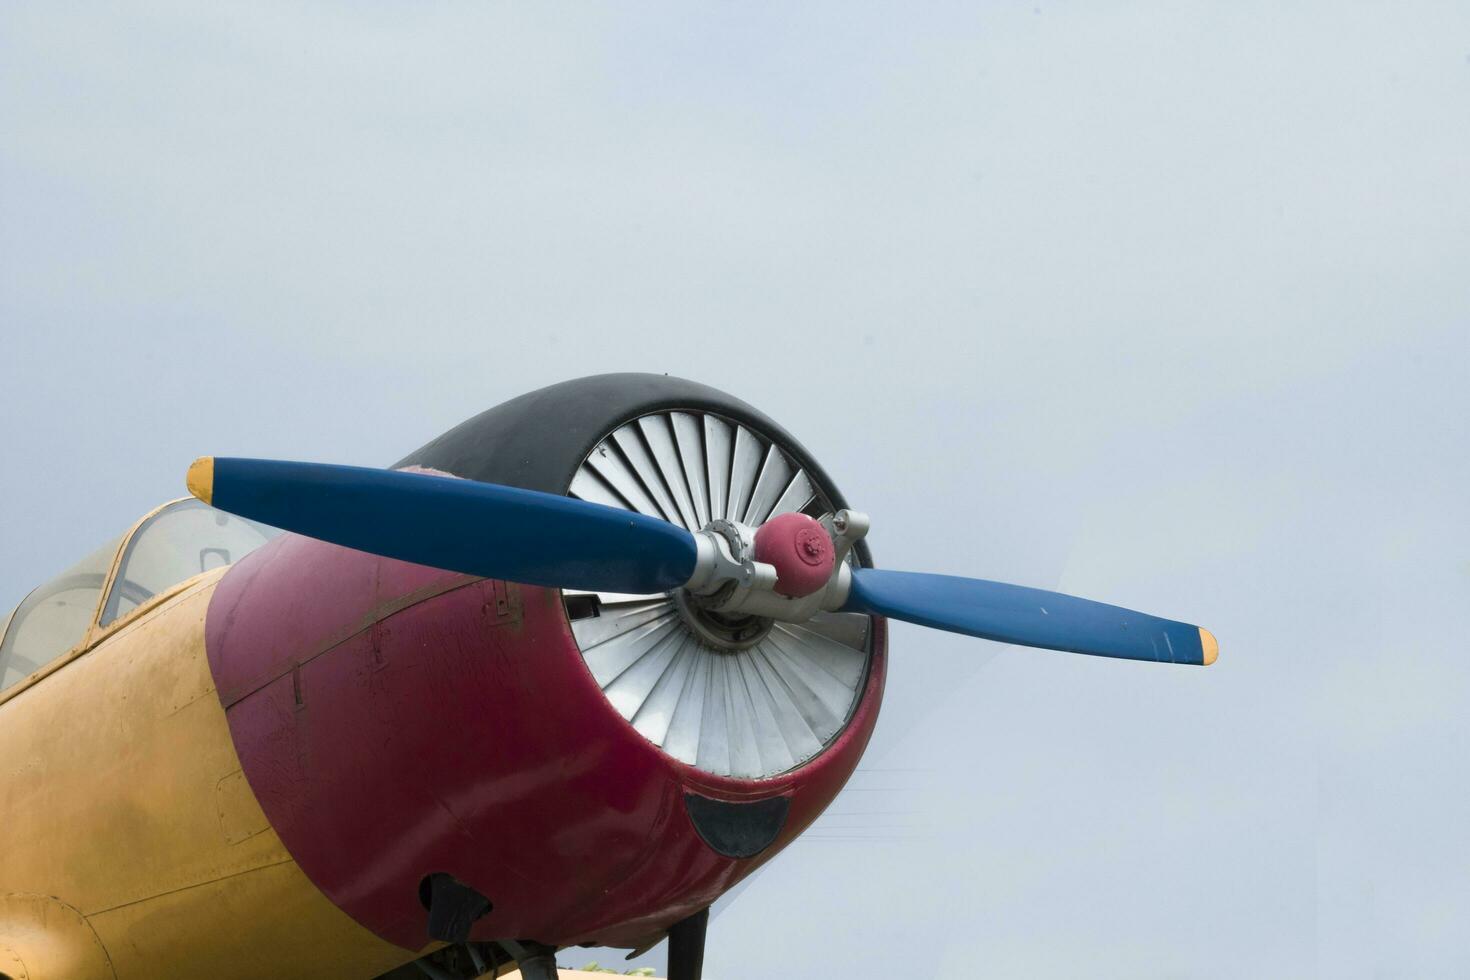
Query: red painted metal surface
x=800, y=550
x=396, y=721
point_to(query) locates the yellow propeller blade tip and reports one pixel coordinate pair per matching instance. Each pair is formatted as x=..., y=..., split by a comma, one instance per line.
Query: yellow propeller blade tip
x=1209, y=645
x=200, y=479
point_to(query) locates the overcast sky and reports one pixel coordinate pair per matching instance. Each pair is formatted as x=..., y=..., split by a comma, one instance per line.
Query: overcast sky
x=1162, y=304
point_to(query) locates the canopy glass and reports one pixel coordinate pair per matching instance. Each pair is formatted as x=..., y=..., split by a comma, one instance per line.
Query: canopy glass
x=177, y=542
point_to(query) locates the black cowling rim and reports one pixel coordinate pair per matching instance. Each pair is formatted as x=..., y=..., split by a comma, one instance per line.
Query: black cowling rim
x=538, y=440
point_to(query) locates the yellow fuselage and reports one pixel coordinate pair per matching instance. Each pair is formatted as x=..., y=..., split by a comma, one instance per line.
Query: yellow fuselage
x=131, y=844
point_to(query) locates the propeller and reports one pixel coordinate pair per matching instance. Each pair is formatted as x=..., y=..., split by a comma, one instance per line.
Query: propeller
x=476, y=528
x=789, y=569
x=1029, y=617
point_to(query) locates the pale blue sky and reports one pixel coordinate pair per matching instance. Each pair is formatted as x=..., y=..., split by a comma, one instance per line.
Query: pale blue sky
x=1164, y=304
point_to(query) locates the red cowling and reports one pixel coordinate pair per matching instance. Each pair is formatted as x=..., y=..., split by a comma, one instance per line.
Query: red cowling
x=395, y=721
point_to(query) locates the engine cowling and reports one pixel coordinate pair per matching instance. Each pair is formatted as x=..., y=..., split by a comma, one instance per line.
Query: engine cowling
x=398, y=722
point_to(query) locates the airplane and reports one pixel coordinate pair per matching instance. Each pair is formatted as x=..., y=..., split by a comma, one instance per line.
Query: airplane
x=563, y=676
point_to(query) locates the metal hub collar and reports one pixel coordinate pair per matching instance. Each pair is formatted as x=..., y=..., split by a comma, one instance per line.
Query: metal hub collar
x=722, y=631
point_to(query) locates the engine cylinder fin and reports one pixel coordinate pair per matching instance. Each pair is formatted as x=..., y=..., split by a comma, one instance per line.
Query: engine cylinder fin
x=714, y=743
x=682, y=738
x=609, y=660
x=613, y=620
x=718, y=455
x=589, y=486
x=790, y=718
x=609, y=463
x=687, y=438
x=828, y=691
x=771, y=743
x=656, y=713
x=740, y=719
x=775, y=476
x=795, y=497
x=630, y=441
x=629, y=691
x=850, y=629
x=658, y=433
x=841, y=661
x=816, y=714
x=744, y=469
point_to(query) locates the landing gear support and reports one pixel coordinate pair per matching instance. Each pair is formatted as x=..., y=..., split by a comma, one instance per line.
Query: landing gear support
x=686, y=946
x=453, y=907
x=536, y=961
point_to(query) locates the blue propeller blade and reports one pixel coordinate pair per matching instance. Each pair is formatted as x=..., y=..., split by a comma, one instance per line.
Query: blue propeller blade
x=1028, y=617
x=476, y=528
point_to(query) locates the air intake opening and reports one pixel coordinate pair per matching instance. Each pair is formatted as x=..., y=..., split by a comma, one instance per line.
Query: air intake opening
x=732, y=695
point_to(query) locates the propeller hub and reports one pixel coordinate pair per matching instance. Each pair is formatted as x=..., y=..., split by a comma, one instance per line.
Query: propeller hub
x=800, y=550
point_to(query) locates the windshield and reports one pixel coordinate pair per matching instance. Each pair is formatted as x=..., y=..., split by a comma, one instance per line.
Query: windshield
x=181, y=540
x=177, y=543
x=54, y=618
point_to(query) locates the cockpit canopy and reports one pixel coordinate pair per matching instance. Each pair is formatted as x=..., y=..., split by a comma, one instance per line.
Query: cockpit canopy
x=175, y=543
